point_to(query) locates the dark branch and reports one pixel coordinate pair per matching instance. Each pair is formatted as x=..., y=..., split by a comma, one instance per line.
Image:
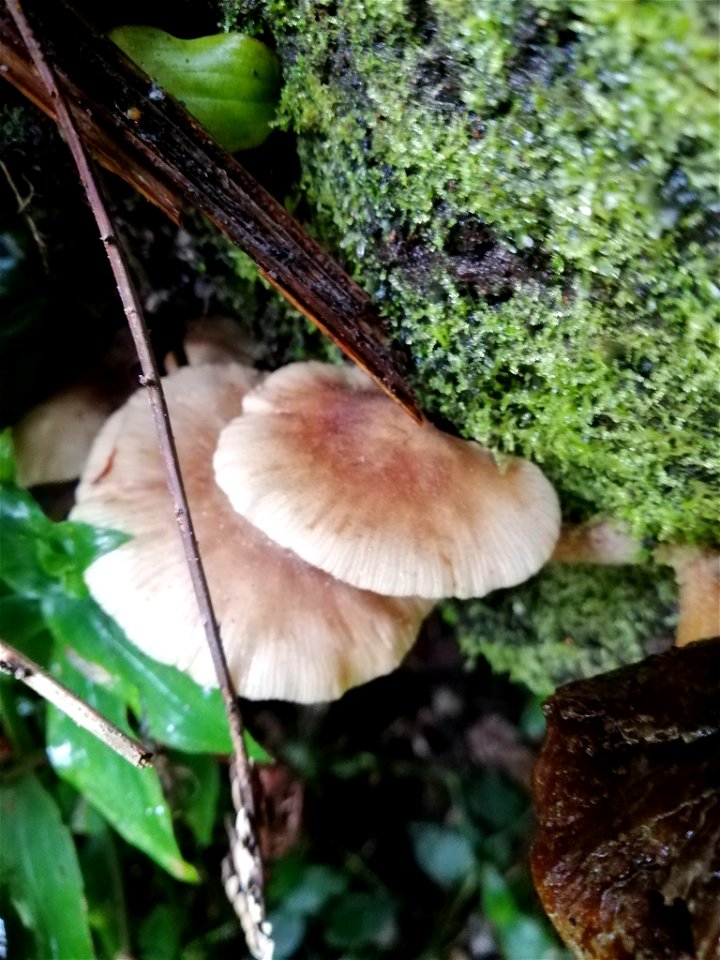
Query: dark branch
x=172, y=160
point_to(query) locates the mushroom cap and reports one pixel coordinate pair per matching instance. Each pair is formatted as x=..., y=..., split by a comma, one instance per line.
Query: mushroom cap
x=53, y=439
x=289, y=630
x=326, y=465
x=214, y=339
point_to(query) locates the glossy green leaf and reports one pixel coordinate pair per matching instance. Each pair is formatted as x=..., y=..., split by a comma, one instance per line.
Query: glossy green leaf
x=255, y=751
x=82, y=543
x=443, y=852
x=39, y=868
x=173, y=708
x=23, y=527
x=21, y=619
x=129, y=798
x=229, y=82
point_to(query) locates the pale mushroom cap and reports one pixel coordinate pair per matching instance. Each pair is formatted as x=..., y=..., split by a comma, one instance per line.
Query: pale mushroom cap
x=53, y=439
x=327, y=466
x=290, y=631
x=214, y=339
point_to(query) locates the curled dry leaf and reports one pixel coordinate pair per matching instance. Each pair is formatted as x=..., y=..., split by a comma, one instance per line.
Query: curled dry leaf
x=627, y=789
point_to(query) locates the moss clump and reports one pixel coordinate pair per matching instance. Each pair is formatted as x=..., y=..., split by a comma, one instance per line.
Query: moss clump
x=569, y=622
x=527, y=188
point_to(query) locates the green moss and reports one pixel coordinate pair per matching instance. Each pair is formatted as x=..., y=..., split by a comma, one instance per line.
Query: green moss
x=527, y=189
x=569, y=622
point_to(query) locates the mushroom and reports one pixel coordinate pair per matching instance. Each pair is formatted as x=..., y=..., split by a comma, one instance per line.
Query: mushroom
x=289, y=630
x=53, y=439
x=597, y=542
x=327, y=466
x=213, y=340
x=697, y=572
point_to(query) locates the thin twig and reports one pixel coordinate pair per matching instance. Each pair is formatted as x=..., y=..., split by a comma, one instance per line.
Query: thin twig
x=20, y=667
x=150, y=378
x=22, y=205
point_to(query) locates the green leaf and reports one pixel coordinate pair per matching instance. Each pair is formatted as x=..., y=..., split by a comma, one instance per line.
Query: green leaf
x=102, y=871
x=255, y=751
x=443, y=852
x=41, y=557
x=358, y=920
x=288, y=932
x=194, y=792
x=39, y=866
x=494, y=800
x=129, y=798
x=519, y=934
x=21, y=622
x=159, y=934
x=229, y=82
x=316, y=885
x=85, y=543
x=7, y=457
x=174, y=708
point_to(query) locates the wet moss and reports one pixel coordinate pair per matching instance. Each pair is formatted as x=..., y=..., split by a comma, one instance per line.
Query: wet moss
x=528, y=189
x=569, y=622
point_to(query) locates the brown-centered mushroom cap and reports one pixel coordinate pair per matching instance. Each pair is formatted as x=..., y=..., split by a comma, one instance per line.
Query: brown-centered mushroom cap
x=290, y=631
x=327, y=466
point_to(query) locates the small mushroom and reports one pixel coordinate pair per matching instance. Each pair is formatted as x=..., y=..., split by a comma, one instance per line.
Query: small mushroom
x=598, y=542
x=290, y=631
x=697, y=572
x=53, y=439
x=213, y=340
x=326, y=465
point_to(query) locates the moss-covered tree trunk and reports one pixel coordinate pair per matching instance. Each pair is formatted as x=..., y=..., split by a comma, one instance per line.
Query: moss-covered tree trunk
x=529, y=190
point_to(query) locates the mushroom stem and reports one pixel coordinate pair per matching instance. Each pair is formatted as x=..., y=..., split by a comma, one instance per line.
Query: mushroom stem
x=17, y=665
x=697, y=572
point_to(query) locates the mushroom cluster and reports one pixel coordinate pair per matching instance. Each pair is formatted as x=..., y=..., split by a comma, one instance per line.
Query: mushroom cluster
x=328, y=521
